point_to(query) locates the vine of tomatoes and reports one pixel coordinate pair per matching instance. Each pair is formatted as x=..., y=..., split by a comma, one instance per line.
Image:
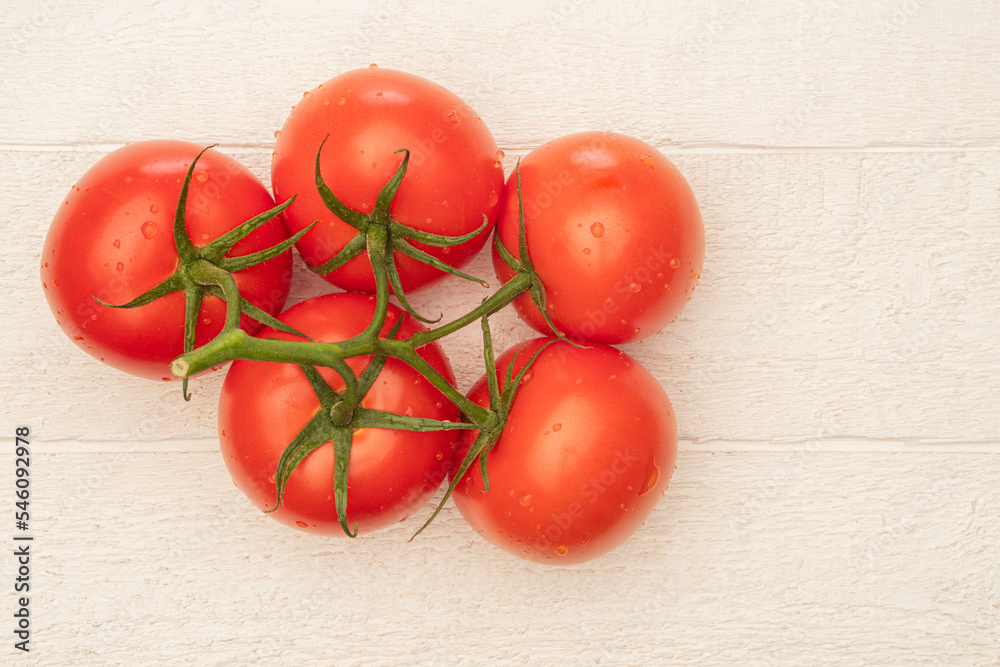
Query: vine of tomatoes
x=341, y=415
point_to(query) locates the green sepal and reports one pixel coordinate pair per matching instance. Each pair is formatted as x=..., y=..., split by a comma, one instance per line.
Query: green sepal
x=234, y=264
x=215, y=250
x=354, y=247
x=342, y=439
x=317, y=431
x=359, y=221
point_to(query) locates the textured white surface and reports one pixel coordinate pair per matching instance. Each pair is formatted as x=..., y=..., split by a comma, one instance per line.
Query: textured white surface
x=836, y=376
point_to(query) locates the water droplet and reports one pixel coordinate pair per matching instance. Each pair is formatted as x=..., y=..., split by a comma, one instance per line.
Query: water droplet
x=562, y=550
x=409, y=411
x=207, y=320
x=301, y=524
x=452, y=116
x=373, y=66
x=204, y=237
x=556, y=427
x=120, y=267
x=526, y=500
x=307, y=94
x=149, y=229
x=526, y=378
x=201, y=176
x=342, y=101
x=277, y=133
x=378, y=94
x=329, y=497
x=586, y=251
x=493, y=199
x=697, y=276
x=55, y=282
x=674, y=263
x=597, y=229
x=579, y=380
x=154, y=209
x=439, y=456
x=117, y=243
x=654, y=477
x=646, y=160
x=634, y=287
x=497, y=164
x=613, y=377
x=128, y=179
x=326, y=103
x=273, y=478
x=438, y=405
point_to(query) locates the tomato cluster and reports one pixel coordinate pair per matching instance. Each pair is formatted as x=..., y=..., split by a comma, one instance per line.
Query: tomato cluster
x=340, y=414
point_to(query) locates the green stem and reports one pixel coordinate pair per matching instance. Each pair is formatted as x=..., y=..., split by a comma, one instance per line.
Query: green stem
x=500, y=299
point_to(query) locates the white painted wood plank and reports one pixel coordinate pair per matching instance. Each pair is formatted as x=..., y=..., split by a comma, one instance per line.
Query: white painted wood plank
x=787, y=73
x=844, y=295
x=755, y=558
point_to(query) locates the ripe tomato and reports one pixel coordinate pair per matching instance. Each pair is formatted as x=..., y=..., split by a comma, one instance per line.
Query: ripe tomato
x=587, y=451
x=613, y=231
x=392, y=472
x=113, y=239
x=454, y=175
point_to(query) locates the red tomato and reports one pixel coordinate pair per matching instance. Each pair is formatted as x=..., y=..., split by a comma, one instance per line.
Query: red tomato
x=613, y=231
x=588, y=449
x=454, y=176
x=392, y=472
x=113, y=238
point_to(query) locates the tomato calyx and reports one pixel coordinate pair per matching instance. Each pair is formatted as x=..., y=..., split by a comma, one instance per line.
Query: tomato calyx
x=336, y=420
x=500, y=407
x=207, y=270
x=398, y=235
x=523, y=266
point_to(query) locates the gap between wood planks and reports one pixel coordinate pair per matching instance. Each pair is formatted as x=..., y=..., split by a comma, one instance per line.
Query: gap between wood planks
x=859, y=445
x=687, y=148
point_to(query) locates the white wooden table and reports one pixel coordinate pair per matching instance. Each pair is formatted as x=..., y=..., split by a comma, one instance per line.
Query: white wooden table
x=836, y=376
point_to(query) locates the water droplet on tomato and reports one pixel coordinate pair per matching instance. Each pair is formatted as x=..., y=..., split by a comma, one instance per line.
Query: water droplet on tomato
x=634, y=287
x=207, y=320
x=584, y=541
x=646, y=160
x=149, y=229
x=201, y=176
x=556, y=427
x=452, y=116
x=273, y=478
x=493, y=199
x=120, y=267
x=378, y=94
x=128, y=179
x=117, y=243
x=501, y=155
x=301, y=524
x=586, y=251
x=527, y=377
x=154, y=209
x=526, y=500
x=409, y=411
x=697, y=276
x=562, y=550
x=597, y=229
x=307, y=94
x=373, y=66
x=326, y=103
x=55, y=282
x=674, y=263
x=330, y=497
x=342, y=101
x=654, y=477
